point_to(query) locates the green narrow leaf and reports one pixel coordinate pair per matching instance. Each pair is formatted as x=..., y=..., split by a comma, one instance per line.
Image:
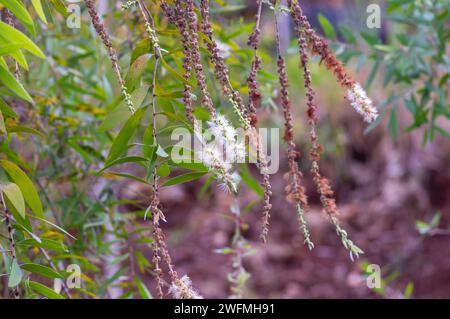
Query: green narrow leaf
x=15, y=274
x=441, y=131
x=10, y=48
x=125, y=134
x=26, y=229
x=126, y=159
x=45, y=243
x=347, y=34
x=60, y=7
x=408, y=290
x=148, y=148
x=135, y=72
x=327, y=27
x=6, y=110
x=11, y=82
x=26, y=186
x=3, y=130
x=174, y=72
x=20, y=37
x=125, y=175
x=370, y=38
x=13, y=193
x=19, y=10
x=56, y=226
x=41, y=270
x=121, y=113
x=24, y=129
x=44, y=290
x=184, y=178
x=372, y=74
x=142, y=289
x=393, y=125
x=39, y=10
x=142, y=47
x=20, y=58
x=250, y=181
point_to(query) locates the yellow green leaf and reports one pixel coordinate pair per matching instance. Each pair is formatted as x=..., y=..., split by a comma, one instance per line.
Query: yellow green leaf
x=26, y=186
x=13, y=193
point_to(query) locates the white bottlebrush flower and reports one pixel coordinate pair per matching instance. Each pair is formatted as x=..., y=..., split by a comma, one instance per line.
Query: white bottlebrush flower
x=220, y=154
x=226, y=135
x=362, y=103
x=211, y=155
x=222, y=130
x=182, y=289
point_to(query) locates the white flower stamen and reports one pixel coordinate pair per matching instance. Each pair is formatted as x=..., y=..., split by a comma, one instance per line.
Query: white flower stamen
x=224, y=150
x=362, y=103
x=182, y=289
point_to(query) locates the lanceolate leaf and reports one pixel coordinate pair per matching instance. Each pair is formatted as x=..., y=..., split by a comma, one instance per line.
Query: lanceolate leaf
x=20, y=58
x=39, y=10
x=11, y=82
x=15, y=274
x=142, y=289
x=18, y=36
x=127, y=159
x=6, y=110
x=125, y=176
x=121, y=113
x=41, y=270
x=2, y=125
x=24, y=129
x=48, y=244
x=10, y=48
x=13, y=193
x=184, y=178
x=26, y=186
x=125, y=134
x=19, y=10
x=45, y=291
x=327, y=27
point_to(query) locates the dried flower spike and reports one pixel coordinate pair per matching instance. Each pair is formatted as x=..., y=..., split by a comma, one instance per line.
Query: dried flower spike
x=222, y=74
x=160, y=250
x=355, y=93
x=301, y=26
x=254, y=95
x=103, y=34
x=295, y=191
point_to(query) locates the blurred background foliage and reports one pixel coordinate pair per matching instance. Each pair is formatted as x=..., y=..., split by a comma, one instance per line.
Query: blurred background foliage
x=75, y=198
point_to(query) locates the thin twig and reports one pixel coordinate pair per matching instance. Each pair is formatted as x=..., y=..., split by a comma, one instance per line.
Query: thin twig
x=12, y=243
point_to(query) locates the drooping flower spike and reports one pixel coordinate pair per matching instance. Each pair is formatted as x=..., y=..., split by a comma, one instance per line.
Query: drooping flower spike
x=104, y=36
x=180, y=288
x=355, y=93
x=253, y=88
x=244, y=115
x=326, y=193
x=295, y=191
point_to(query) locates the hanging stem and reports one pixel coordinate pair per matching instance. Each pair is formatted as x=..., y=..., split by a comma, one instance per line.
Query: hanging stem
x=322, y=183
x=103, y=34
x=254, y=95
x=295, y=190
x=222, y=74
x=12, y=243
